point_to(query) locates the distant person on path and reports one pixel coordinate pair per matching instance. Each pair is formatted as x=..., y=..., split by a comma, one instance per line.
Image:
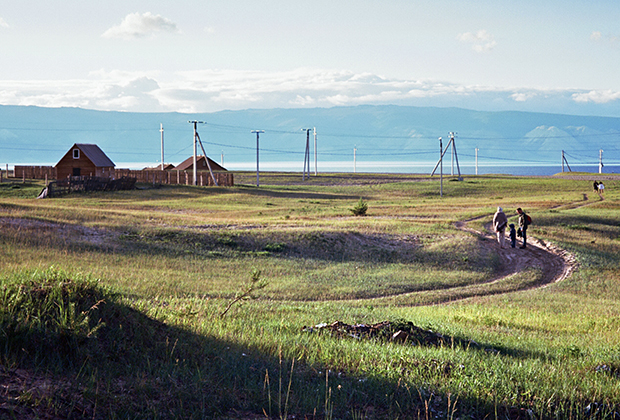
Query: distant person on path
x=523, y=226
x=513, y=235
x=601, y=188
x=595, y=185
x=499, y=224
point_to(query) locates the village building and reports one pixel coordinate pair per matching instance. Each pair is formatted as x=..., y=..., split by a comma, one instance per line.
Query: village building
x=84, y=160
x=201, y=165
x=167, y=167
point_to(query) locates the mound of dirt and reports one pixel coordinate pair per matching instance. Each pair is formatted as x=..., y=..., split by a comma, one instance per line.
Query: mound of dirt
x=403, y=332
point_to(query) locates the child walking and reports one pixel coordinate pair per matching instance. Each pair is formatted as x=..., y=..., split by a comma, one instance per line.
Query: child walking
x=513, y=235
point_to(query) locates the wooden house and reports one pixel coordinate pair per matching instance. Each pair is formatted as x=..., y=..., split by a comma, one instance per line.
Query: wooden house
x=201, y=165
x=167, y=167
x=84, y=160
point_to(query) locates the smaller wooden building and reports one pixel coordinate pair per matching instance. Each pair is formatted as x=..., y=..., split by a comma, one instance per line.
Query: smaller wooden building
x=201, y=165
x=84, y=160
x=167, y=167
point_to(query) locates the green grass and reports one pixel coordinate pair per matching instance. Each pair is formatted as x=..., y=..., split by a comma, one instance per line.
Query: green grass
x=127, y=323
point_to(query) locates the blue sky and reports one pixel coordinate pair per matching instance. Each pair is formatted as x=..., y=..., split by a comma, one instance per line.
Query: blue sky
x=204, y=56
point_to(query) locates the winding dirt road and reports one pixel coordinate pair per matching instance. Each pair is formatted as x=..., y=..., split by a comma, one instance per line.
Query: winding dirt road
x=556, y=264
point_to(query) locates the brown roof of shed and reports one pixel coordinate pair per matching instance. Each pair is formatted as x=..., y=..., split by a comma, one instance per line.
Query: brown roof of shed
x=167, y=167
x=200, y=162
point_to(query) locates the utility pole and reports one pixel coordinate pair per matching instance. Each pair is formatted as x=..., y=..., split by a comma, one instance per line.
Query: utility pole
x=354, y=158
x=565, y=161
x=195, y=123
x=316, y=171
x=307, y=154
x=222, y=159
x=455, y=155
x=257, y=134
x=452, y=153
x=440, y=167
x=204, y=153
x=453, y=144
x=476, y=161
x=161, y=130
x=600, y=161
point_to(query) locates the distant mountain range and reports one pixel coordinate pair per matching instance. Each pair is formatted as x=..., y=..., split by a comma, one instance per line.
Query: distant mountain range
x=35, y=135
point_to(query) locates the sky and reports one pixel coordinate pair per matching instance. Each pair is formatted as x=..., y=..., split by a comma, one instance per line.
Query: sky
x=206, y=56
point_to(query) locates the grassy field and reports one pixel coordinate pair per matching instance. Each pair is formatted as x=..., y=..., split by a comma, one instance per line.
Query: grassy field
x=189, y=302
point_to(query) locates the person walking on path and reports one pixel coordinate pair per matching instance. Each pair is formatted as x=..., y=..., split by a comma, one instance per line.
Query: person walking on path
x=523, y=225
x=601, y=188
x=499, y=224
x=513, y=235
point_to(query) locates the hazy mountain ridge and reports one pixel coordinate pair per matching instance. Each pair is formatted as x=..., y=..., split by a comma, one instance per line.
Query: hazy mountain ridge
x=34, y=135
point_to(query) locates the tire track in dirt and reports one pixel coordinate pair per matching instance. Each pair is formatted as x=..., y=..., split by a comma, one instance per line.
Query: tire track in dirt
x=555, y=264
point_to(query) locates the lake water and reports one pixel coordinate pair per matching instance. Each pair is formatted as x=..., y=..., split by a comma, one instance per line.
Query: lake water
x=418, y=168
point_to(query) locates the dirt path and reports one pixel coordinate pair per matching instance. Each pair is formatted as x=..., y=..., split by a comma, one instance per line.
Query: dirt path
x=555, y=263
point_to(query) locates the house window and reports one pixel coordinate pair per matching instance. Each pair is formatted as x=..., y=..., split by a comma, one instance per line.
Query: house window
x=76, y=153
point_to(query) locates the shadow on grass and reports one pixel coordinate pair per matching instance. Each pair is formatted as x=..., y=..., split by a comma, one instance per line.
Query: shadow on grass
x=283, y=193
x=87, y=355
x=176, y=192
x=597, y=226
x=243, y=241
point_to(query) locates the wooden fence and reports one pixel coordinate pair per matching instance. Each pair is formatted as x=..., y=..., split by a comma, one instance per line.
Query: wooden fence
x=224, y=179
x=86, y=183
x=34, y=172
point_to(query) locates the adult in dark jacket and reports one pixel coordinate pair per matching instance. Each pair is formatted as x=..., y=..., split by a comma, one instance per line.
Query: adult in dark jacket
x=523, y=226
x=499, y=224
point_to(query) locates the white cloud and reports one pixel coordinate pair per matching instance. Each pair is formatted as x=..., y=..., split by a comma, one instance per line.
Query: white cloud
x=480, y=41
x=523, y=96
x=214, y=90
x=136, y=25
x=599, y=37
x=303, y=100
x=3, y=23
x=598, y=97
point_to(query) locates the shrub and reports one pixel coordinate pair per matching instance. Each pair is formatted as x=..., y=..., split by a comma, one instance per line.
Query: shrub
x=360, y=208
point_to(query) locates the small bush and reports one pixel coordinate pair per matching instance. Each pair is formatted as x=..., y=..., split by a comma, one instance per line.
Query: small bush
x=360, y=208
x=276, y=247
